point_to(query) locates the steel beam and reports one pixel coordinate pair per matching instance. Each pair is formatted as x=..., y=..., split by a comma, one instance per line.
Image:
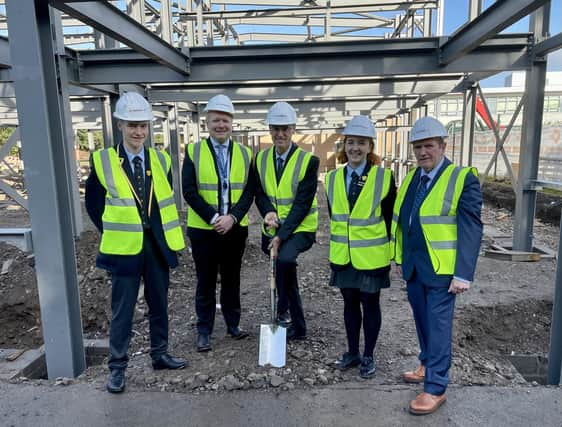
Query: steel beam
x=549, y=45
x=292, y=62
x=32, y=52
x=108, y=19
x=313, y=10
x=498, y=16
x=529, y=152
x=381, y=5
x=324, y=90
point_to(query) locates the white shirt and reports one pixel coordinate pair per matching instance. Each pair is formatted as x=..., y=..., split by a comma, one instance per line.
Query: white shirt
x=224, y=191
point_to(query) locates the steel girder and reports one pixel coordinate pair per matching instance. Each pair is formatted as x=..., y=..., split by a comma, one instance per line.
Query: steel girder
x=108, y=19
x=304, y=62
x=494, y=19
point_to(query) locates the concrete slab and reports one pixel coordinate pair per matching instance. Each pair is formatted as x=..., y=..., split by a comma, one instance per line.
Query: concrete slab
x=350, y=405
x=31, y=363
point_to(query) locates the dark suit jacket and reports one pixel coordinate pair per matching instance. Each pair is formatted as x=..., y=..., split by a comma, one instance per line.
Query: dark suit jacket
x=387, y=207
x=306, y=191
x=95, y=205
x=415, y=256
x=199, y=205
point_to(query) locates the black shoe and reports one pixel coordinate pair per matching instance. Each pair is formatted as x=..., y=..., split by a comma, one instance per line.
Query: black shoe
x=284, y=319
x=348, y=360
x=203, y=343
x=116, y=381
x=237, y=333
x=293, y=335
x=166, y=361
x=367, y=368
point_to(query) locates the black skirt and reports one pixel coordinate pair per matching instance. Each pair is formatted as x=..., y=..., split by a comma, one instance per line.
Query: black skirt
x=349, y=277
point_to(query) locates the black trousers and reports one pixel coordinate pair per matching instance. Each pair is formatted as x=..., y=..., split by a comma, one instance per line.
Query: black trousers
x=353, y=300
x=124, y=292
x=286, y=276
x=214, y=253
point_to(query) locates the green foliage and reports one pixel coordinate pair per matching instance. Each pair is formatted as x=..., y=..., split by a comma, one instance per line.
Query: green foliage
x=5, y=133
x=82, y=139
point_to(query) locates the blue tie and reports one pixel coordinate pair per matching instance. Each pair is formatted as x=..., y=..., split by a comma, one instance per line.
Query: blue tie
x=421, y=192
x=222, y=164
x=353, y=190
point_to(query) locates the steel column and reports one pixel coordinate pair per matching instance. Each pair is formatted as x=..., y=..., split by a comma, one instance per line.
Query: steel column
x=111, y=134
x=166, y=25
x=175, y=155
x=33, y=52
x=69, y=152
x=135, y=9
x=555, y=351
x=474, y=9
x=468, y=119
x=526, y=196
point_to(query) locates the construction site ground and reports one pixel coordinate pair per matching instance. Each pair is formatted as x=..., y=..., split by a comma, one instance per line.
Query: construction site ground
x=506, y=314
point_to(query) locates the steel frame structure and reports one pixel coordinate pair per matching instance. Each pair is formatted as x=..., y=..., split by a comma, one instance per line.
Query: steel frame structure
x=179, y=55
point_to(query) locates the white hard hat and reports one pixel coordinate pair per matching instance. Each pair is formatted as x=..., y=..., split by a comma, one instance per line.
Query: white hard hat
x=220, y=103
x=281, y=113
x=360, y=126
x=427, y=127
x=132, y=107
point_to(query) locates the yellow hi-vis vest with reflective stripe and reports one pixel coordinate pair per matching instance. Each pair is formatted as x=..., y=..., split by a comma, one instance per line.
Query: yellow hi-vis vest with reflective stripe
x=208, y=178
x=359, y=236
x=122, y=225
x=283, y=194
x=438, y=218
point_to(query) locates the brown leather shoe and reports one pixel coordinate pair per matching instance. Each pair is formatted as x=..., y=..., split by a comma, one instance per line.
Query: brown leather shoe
x=426, y=403
x=415, y=377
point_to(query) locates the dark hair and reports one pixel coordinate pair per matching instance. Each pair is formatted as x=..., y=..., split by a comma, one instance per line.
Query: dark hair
x=372, y=158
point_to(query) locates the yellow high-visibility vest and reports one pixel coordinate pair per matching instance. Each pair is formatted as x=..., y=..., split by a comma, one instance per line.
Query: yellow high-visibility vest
x=122, y=225
x=359, y=236
x=208, y=179
x=282, y=195
x=438, y=218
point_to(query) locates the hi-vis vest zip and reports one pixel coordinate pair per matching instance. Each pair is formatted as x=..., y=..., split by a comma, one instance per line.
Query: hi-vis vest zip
x=283, y=194
x=208, y=178
x=359, y=236
x=438, y=218
x=122, y=226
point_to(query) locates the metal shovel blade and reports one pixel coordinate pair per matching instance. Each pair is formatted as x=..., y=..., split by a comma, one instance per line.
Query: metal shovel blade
x=273, y=346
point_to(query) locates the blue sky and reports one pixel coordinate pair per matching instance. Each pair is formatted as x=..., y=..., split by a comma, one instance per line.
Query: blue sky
x=456, y=13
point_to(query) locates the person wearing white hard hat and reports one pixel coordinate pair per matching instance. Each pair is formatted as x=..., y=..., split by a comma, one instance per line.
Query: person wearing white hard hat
x=287, y=177
x=436, y=235
x=360, y=198
x=130, y=200
x=218, y=187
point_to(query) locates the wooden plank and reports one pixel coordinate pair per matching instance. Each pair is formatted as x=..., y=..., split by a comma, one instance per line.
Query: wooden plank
x=506, y=255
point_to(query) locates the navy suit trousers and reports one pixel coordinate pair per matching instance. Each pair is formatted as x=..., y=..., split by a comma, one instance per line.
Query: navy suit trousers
x=214, y=253
x=124, y=293
x=286, y=276
x=433, y=309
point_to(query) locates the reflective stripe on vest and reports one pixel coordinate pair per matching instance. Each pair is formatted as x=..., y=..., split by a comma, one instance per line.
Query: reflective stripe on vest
x=208, y=179
x=122, y=227
x=283, y=194
x=438, y=218
x=359, y=236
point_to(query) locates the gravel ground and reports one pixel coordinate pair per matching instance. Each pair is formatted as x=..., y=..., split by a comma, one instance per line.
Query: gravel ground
x=506, y=312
